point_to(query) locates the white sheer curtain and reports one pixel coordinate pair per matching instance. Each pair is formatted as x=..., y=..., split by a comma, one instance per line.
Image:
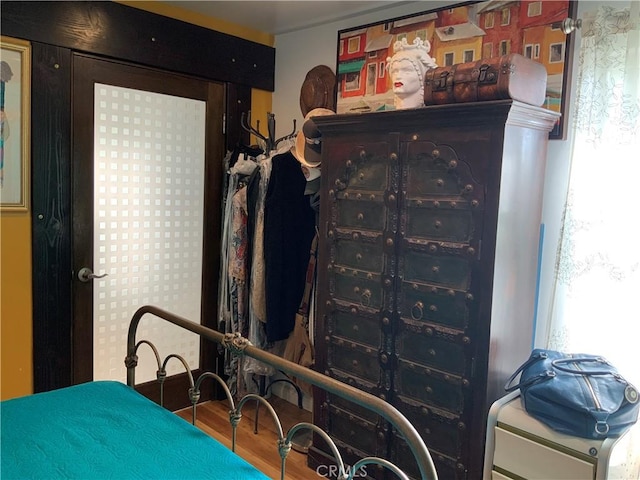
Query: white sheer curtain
x=595, y=306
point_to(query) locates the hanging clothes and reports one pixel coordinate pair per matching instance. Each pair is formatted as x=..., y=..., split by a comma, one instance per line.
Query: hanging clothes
x=256, y=194
x=289, y=228
x=233, y=286
x=233, y=208
x=268, y=226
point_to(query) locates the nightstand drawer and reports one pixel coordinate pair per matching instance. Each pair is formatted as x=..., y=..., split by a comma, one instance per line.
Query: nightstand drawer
x=498, y=476
x=531, y=460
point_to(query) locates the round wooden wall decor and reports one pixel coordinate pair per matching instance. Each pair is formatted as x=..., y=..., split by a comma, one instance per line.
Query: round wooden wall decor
x=318, y=90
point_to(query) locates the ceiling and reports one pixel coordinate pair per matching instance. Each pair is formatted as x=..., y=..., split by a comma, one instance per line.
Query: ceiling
x=278, y=17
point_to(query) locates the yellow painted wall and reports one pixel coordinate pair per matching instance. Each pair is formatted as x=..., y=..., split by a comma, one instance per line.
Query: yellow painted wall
x=16, y=364
x=202, y=21
x=16, y=314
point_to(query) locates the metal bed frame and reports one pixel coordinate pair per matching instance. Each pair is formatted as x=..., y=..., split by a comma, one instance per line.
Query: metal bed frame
x=241, y=346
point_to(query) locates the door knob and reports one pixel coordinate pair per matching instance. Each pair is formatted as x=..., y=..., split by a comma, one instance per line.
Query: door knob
x=85, y=274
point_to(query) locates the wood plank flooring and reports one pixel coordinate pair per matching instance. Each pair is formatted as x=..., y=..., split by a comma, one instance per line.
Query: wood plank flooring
x=261, y=450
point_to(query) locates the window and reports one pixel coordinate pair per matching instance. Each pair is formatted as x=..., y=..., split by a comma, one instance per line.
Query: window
x=532, y=50
x=421, y=34
x=341, y=47
x=382, y=70
x=505, y=47
x=488, y=20
x=386, y=27
x=505, y=16
x=354, y=45
x=372, y=54
x=487, y=50
x=528, y=51
x=352, y=81
x=400, y=36
x=448, y=59
x=534, y=9
x=593, y=299
x=556, y=52
x=372, y=75
x=468, y=56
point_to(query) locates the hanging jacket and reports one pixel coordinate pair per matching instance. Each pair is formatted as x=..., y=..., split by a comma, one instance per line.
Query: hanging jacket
x=289, y=228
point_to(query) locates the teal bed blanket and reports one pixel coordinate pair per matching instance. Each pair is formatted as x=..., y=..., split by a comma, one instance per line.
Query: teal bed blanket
x=106, y=430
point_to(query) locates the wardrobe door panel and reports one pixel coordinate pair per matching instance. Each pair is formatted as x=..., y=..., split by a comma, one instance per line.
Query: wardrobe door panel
x=427, y=303
x=355, y=432
x=366, y=168
x=361, y=288
x=360, y=252
x=358, y=324
x=360, y=214
x=353, y=408
x=439, y=223
x=432, y=346
x=442, y=431
x=433, y=169
x=381, y=389
x=447, y=467
x=449, y=270
x=430, y=386
x=354, y=359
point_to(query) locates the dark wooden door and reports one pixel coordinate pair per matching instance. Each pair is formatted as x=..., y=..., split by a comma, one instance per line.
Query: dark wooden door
x=90, y=75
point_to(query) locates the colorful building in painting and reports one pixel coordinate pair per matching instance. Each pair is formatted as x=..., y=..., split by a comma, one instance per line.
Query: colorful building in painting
x=461, y=34
x=500, y=21
x=544, y=42
x=457, y=38
x=419, y=26
x=543, y=39
x=379, y=41
x=351, y=60
x=362, y=59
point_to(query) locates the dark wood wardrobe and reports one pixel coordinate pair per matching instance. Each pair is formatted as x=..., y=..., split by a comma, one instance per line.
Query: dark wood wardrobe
x=427, y=272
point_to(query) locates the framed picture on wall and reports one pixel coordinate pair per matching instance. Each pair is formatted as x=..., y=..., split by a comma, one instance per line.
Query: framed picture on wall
x=461, y=33
x=15, y=73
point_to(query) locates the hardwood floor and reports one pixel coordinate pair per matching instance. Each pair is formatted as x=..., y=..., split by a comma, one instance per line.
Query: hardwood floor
x=261, y=450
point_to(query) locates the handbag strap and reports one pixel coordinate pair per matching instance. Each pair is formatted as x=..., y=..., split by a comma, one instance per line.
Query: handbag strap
x=560, y=365
x=530, y=381
x=303, y=309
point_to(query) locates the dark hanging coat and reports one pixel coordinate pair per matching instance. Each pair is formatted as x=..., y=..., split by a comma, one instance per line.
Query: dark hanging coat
x=289, y=228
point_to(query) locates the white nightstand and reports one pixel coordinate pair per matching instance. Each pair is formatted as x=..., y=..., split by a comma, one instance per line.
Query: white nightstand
x=520, y=447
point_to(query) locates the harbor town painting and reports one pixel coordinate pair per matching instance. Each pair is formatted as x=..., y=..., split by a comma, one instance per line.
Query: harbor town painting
x=462, y=33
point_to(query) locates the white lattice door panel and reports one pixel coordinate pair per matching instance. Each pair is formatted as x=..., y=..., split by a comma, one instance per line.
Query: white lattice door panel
x=148, y=228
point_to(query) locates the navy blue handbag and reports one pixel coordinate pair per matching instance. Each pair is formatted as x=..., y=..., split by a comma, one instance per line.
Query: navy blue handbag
x=577, y=394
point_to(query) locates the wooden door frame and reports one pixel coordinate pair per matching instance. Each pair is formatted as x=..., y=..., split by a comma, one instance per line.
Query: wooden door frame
x=52, y=245
x=56, y=30
x=87, y=71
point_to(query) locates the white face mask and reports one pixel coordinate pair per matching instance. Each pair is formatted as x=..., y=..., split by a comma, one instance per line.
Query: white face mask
x=405, y=79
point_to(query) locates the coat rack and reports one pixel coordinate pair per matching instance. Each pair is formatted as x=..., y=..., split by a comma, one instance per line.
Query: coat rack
x=270, y=141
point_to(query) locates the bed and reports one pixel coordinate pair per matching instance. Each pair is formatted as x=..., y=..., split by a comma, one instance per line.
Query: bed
x=105, y=429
